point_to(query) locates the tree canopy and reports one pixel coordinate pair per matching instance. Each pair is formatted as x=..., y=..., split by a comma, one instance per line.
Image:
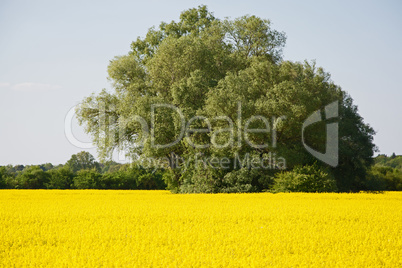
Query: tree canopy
x=221, y=90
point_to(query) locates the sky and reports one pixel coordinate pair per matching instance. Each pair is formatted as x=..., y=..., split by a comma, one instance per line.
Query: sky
x=55, y=53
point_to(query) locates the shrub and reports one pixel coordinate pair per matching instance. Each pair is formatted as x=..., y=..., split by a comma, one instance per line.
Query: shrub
x=3, y=183
x=308, y=178
x=32, y=177
x=61, y=178
x=87, y=179
x=384, y=178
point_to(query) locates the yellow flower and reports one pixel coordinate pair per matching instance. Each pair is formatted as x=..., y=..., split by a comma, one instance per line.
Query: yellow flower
x=95, y=228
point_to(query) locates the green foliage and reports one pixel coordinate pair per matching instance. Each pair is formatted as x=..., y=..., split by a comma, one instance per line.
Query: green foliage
x=206, y=67
x=384, y=178
x=87, y=179
x=132, y=177
x=61, y=178
x=206, y=180
x=149, y=180
x=171, y=179
x=393, y=161
x=109, y=166
x=87, y=175
x=82, y=160
x=252, y=36
x=356, y=148
x=46, y=167
x=32, y=177
x=3, y=182
x=120, y=180
x=239, y=181
x=9, y=174
x=178, y=64
x=212, y=180
x=308, y=178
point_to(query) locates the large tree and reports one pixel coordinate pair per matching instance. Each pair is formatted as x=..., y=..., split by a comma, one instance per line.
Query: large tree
x=209, y=87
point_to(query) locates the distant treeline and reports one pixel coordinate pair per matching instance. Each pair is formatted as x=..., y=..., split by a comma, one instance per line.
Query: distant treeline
x=386, y=174
x=83, y=172
x=80, y=172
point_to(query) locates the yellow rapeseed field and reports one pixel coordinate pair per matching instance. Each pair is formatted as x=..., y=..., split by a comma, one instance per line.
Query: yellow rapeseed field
x=95, y=228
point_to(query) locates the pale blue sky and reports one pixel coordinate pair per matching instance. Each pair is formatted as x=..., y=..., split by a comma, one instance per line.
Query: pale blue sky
x=55, y=53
